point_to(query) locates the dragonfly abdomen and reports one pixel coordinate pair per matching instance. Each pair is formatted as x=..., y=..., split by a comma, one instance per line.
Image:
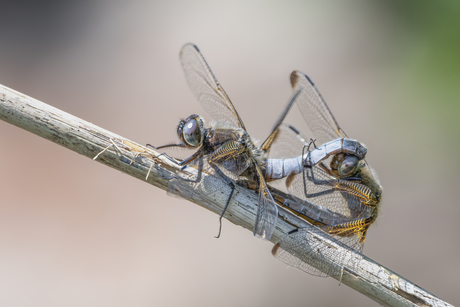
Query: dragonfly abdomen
x=280, y=168
x=344, y=145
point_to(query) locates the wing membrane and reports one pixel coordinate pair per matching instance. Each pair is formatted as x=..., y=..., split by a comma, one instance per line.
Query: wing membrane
x=334, y=202
x=287, y=143
x=206, y=87
x=315, y=110
x=316, y=186
x=306, y=250
x=267, y=213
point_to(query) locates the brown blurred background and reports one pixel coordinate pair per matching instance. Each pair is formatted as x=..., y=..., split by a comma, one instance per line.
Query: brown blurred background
x=76, y=233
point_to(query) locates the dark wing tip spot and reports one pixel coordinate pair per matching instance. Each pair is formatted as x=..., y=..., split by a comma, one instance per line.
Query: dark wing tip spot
x=294, y=78
x=275, y=249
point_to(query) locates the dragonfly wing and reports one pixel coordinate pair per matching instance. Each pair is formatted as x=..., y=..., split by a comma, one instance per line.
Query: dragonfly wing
x=267, y=212
x=266, y=145
x=287, y=143
x=323, y=124
x=326, y=205
x=314, y=185
x=206, y=87
x=315, y=110
x=307, y=250
x=187, y=187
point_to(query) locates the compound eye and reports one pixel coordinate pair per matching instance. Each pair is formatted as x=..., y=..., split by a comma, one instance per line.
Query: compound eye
x=348, y=166
x=192, y=133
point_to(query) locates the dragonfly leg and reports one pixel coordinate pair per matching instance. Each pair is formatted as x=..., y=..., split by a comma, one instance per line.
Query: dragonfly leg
x=309, y=175
x=154, y=157
x=326, y=169
x=358, y=226
x=184, y=163
x=353, y=179
x=312, y=141
x=232, y=187
x=174, y=160
x=200, y=168
x=351, y=185
x=165, y=146
x=226, y=151
x=307, y=162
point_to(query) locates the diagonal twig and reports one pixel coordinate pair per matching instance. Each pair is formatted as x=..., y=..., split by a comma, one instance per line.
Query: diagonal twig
x=359, y=272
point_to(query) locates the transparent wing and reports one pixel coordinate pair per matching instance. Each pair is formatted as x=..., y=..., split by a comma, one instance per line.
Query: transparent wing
x=287, y=143
x=318, y=187
x=325, y=127
x=315, y=110
x=314, y=186
x=187, y=187
x=267, y=213
x=206, y=87
x=267, y=144
x=307, y=250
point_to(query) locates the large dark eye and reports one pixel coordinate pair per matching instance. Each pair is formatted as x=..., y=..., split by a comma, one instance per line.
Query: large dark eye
x=192, y=132
x=348, y=166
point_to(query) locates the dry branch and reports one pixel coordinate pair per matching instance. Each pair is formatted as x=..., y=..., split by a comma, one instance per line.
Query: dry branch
x=359, y=273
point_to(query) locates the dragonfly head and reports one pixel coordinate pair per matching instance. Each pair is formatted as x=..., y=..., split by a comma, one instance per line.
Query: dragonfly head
x=345, y=165
x=191, y=131
x=348, y=166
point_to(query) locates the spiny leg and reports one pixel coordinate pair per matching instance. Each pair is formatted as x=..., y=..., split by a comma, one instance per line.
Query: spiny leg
x=153, y=164
x=185, y=187
x=151, y=156
x=232, y=187
x=198, y=154
x=183, y=163
x=174, y=160
x=167, y=145
x=226, y=151
x=305, y=164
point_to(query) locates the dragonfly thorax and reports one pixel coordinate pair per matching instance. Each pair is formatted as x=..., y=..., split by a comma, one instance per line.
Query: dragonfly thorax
x=191, y=130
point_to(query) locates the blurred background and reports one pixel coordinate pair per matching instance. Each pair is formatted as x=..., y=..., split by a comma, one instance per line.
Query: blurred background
x=74, y=232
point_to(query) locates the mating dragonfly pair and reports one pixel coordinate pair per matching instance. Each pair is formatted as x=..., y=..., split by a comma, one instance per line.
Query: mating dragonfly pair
x=328, y=177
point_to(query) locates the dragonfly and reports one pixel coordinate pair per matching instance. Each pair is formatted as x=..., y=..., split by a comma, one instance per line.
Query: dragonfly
x=225, y=148
x=333, y=184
